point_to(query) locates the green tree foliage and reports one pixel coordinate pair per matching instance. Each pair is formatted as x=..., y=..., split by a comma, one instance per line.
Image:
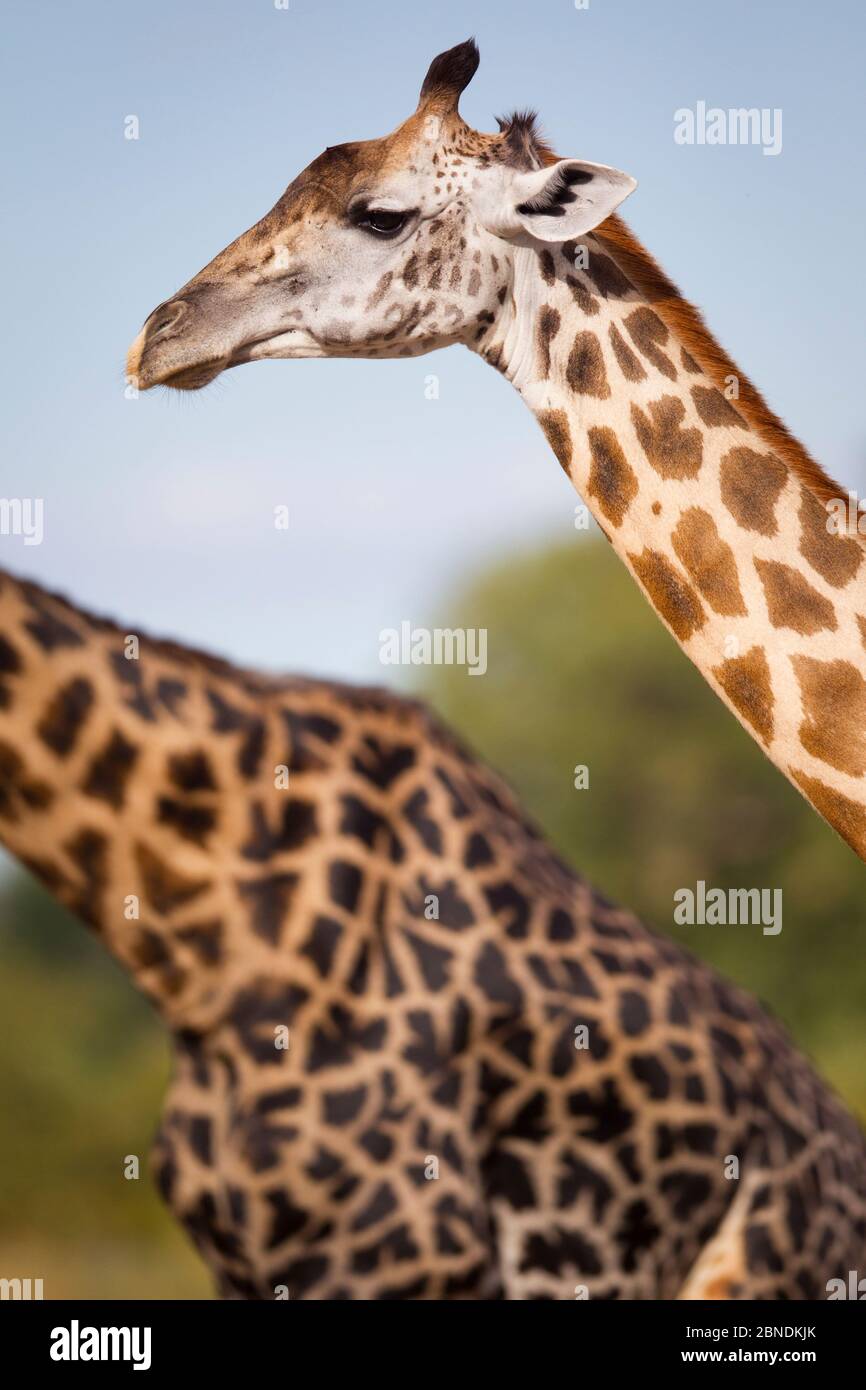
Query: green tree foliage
x=580, y=671
x=83, y=1067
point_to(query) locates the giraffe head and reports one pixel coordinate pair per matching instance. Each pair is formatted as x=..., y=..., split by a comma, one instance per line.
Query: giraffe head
x=380, y=248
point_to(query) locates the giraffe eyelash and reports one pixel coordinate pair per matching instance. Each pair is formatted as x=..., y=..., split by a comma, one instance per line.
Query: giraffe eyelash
x=364, y=216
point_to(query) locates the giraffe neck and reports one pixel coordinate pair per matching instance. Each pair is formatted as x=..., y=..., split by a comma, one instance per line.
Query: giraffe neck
x=716, y=511
x=122, y=773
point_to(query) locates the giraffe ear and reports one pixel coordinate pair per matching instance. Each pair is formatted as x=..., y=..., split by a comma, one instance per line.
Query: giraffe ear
x=560, y=202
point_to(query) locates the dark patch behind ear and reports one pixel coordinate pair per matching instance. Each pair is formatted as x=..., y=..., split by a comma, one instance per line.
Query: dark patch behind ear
x=450, y=73
x=524, y=147
x=551, y=201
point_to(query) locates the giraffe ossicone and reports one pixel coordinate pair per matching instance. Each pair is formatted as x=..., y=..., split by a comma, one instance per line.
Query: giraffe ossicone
x=439, y=234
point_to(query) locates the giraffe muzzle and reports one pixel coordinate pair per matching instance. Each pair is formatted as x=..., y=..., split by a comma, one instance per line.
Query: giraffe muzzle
x=175, y=347
x=188, y=341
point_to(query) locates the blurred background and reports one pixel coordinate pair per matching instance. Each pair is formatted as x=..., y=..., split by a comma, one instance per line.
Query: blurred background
x=447, y=510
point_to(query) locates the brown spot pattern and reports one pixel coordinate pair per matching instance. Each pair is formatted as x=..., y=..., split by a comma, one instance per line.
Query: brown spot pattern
x=547, y=267
x=751, y=484
x=714, y=409
x=410, y=272
x=629, y=364
x=746, y=682
x=380, y=291
x=65, y=716
x=647, y=333
x=583, y=299
x=847, y=817
x=164, y=887
x=791, y=600
x=689, y=362
x=612, y=480
x=548, y=327
x=672, y=451
x=585, y=371
x=836, y=558
x=709, y=561
x=674, y=599
x=607, y=276
x=110, y=770
x=834, y=703
x=555, y=426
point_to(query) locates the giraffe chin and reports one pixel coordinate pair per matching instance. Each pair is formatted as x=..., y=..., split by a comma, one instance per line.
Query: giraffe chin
x=286, y=344
x=193, y=378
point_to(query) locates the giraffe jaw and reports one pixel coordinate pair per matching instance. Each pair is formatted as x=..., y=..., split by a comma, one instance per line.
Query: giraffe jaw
x=285, y=344
x=193, y=376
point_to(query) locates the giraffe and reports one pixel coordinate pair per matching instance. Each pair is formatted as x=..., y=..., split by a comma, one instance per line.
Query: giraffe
x=438, y=234
x=415, y=1055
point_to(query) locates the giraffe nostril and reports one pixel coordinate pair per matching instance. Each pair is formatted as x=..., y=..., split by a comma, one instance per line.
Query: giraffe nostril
x=165, y=317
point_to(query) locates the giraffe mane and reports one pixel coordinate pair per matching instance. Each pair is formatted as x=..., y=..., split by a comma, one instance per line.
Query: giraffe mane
x=253, y=681
x=687, y=323
x=523, y=144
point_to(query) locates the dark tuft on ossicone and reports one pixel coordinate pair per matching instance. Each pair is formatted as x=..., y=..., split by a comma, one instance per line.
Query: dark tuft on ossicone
x=451, y=72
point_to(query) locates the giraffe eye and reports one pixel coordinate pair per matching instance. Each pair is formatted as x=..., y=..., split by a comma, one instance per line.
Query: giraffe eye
x=382, y=222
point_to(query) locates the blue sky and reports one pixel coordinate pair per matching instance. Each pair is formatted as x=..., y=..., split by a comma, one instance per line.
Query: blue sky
x=159, y=510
